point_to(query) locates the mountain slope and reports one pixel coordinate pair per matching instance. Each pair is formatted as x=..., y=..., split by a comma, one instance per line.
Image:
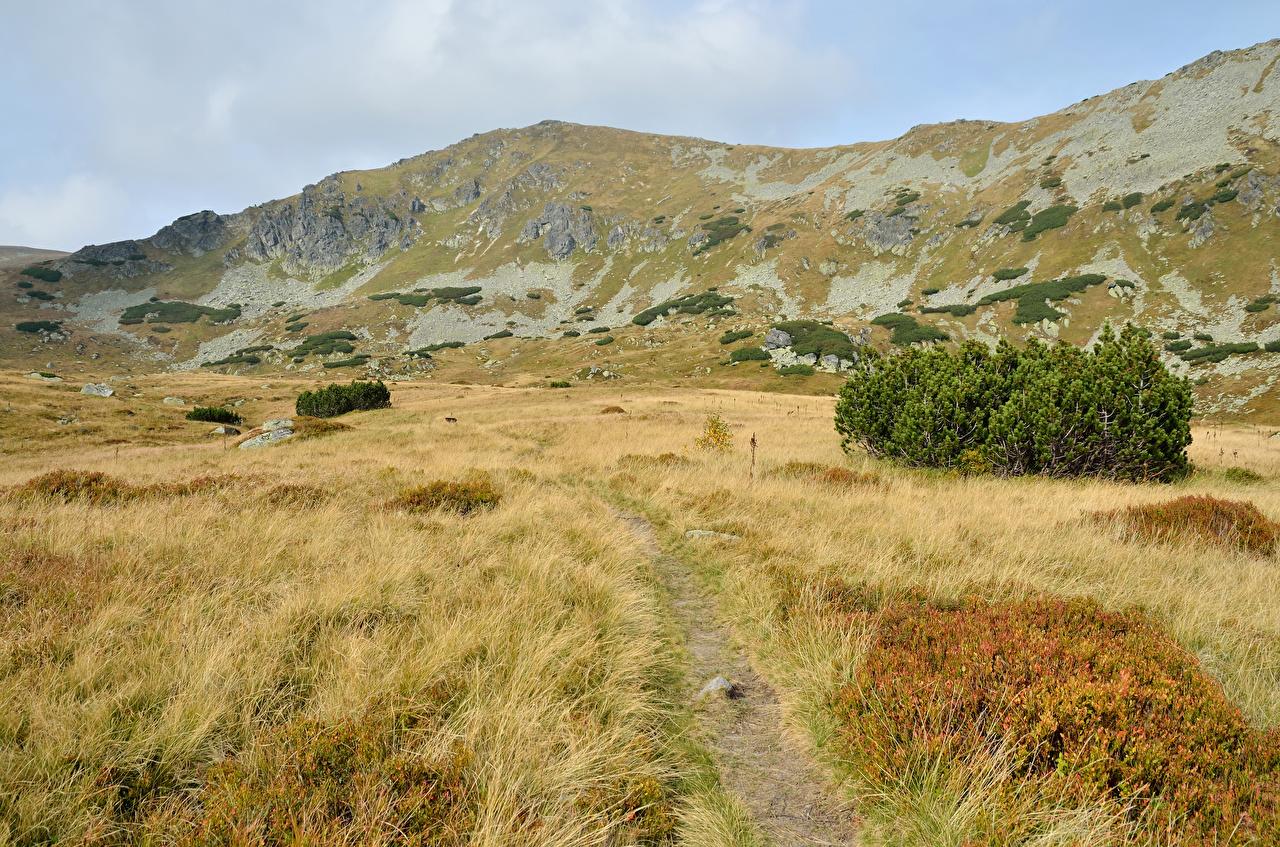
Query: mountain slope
x=1167, y=190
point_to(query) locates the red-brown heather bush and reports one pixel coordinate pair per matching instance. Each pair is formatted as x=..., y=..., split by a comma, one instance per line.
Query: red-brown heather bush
x=360, y=781
x=1229, y=523
x=826, y=474
x=1100, y=706
x=98, y=488
x=444, y=496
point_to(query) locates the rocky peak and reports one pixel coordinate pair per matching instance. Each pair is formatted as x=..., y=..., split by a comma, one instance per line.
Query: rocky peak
x=194, y=234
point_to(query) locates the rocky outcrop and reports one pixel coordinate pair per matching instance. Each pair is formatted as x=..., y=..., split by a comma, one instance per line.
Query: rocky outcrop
x=194, y=234
x=562, y=229
x=494, y=211
x=646, y=239
x=119, y=258
x=323, y=230
x=776, y=339
x=884, y=233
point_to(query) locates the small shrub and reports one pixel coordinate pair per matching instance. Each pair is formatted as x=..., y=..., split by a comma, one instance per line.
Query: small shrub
x=1014, y=214
x=296, y=327
x=749, y=354
x=1131, y=199
x=598, y=329
x=583, y=310
x=1111, y=206
x=1170, y=334
x=716, y=435
x=560, y=383
x=1051, y=182
x=1244, y=476
x=907, y=331
x=688, y=304
x=22, y=283
x=958, y=310
x=1162, y=205
x=818, y=339
x=335, y=399
x=735, y=335
x=214, y=414
x=1003, y=274
x=1191, y=211
x=1053, y=217
x=1272, y=346
x=1178, y=346
x=613, y=410
x=42, y=274
x=570, y=333
x=355, y=361
x=825, y=474
x=929, y=292
x=326, y=343
x=603, y=342
x=37, y=294
x=99, y=489
x=38, y=326
x=461, y=498
x=1218, y=352
x=296, y=494
x=502, y=333
x=1226, y=523
x=798, y=369
x=177, y=312
x=1202, y=336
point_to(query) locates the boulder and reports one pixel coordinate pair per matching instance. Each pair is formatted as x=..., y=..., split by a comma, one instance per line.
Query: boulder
x=719, y=688
x=174, y=401
x=98, y=389
x=830, y=361
x=194, y=234
x=776, y=338
x=277, y=424
x=711, y=534
x=271, y=436
x=43, y=377
x=224, y=430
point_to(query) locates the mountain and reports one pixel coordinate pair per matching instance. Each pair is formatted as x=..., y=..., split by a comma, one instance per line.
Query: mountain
x=12, y=256
x=1157, y=203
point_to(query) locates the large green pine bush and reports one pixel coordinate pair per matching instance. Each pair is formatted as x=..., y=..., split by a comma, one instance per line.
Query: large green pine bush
x=1114, y=411
x=334, y=400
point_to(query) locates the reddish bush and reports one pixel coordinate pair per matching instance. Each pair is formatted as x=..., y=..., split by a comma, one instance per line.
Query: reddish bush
x=98, y=488
x=1102, y=704
x=1229, y=523
x=361, y=781
x=826, y=474
x=444, y=496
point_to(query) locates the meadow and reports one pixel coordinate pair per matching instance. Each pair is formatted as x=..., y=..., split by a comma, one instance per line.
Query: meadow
x=280, y=646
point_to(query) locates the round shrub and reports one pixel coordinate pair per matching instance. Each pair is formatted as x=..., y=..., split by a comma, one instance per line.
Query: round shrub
x=1225, y=523
x=749, y=354
x=462, y=498
x=214, y=414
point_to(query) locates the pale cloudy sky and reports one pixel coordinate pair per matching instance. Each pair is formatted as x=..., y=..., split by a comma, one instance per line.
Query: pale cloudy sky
x=120, y=115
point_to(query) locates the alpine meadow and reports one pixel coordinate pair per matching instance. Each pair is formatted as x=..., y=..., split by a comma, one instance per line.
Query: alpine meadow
x=570, y=486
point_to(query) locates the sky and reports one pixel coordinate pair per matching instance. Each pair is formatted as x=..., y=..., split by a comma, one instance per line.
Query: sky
x=121, y=115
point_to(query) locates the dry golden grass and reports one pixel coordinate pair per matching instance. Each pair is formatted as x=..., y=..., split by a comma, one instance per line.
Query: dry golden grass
x=147, y=639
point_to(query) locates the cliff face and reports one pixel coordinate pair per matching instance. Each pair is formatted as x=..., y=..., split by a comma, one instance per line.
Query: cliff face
x=1169, y=189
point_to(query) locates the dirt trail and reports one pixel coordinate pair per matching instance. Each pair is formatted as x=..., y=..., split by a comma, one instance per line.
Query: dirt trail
x=770, y=775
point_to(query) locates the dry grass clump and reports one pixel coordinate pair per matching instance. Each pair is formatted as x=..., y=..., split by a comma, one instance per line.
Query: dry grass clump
x=1200, y=518
x=98, y=488
x=462, y=497
x=1091, y=707
x=660, y=460
x=296, y=494
x=826, y=474
x=613, y=410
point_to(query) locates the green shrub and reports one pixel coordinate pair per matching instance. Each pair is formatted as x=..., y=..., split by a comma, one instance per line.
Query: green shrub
x=461, y=498
x=38, y=326
x=1051, y=182
x=1261, y=304
x=444, y=345
x=598, y=329
x=177, y=312
x=907, y=331
x=1202, y=336
x=735, y=335
x=22, y=283
x=906, y=198
x=749, y=354
x=353, y=362
x=1131, y=199
x=958, y=310
x=1112, y=206
x=604, y=342
x=560, y=383
x=1225, y=195
x=1053, y=217
x=854, y=214
x=1090, y=707
x=817, y=338
x=1114, y=412
x=1171, y=335
x=1244, y=476
x=42, y=274
x=326, y=343
x=214, y=414
x=1031, y=296
x=1218, y=352
x=234, y=359
x=929, y=292
x=294, y=318
x=37, y=294
x=1272, y=346
x=570, y=333
x=904, y=302
x=1004, y=274
x=335, y=399
x=297, y=327
x=1162, y=205
x=1122, y=283
x=720, y=230
x=1015, y=213
x=502, y=333
x=1191, y=211
x=688, y=304
x=1178, y=346
x=798, y=369
x=1219, y=168
x=582, y=310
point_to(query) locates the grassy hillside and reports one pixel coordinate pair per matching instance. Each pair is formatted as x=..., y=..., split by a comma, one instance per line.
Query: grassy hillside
x=215, y=645
x=1168, y=190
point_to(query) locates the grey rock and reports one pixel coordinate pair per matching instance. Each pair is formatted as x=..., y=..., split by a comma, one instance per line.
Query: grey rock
x=697, y=238
x=194, y=234
x=43, y=378
x=119, y=259
x=1202, y=229
x=98, y=389
x=883, y=233
x=494, y=211
x=277, y=423
x=467, y=193
x=808, y=359
x=695, y=534
x=174, y=401
x=224, y=430
x=416, y=206
x=775, y=338
x=719, y=688
x=562, y=229
x=267, y=438
x=830, y=361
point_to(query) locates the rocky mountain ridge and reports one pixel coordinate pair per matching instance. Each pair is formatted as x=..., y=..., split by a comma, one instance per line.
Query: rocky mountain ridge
x=1169, y=191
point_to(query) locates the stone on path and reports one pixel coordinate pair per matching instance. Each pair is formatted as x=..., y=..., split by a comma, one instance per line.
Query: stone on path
x=719, y=688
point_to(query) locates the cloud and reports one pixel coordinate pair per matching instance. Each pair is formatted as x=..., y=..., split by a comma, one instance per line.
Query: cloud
x=225, y=105
x=57, y=215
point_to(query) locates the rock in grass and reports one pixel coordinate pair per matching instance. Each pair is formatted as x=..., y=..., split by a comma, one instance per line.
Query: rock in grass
x=719, y=688
x=224, y=430
x=776, y=338
x=174, y=401
x=277, y=423
x=98, y=389
x=712, y=534
x=271, y=436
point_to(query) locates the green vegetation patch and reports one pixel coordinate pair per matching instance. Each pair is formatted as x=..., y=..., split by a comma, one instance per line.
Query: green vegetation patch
x=1015, y=214
x=689, y=304
x=570, y=333
x=502, y=333
x=604, y=342
x=177, y=312
x=720, y=230
x=798, y=369
x=1162, y=205
x=38, y=326
x=1031, y=296
x=817, y=338
x=735, y=335
x=326, y=343
x=907, y=330
x=1053, y=217
x=1178, y=346
x=957, y=310
x=42, y=274
x=334, y=399
x=1008, y=273
x=749, y=354
x=1218, y=352
x=1051, y=182
x=1131, y=199
x=235, y=359
x=1261, y=304
x=354, y=362
x=215, y=414
x=37, y=294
